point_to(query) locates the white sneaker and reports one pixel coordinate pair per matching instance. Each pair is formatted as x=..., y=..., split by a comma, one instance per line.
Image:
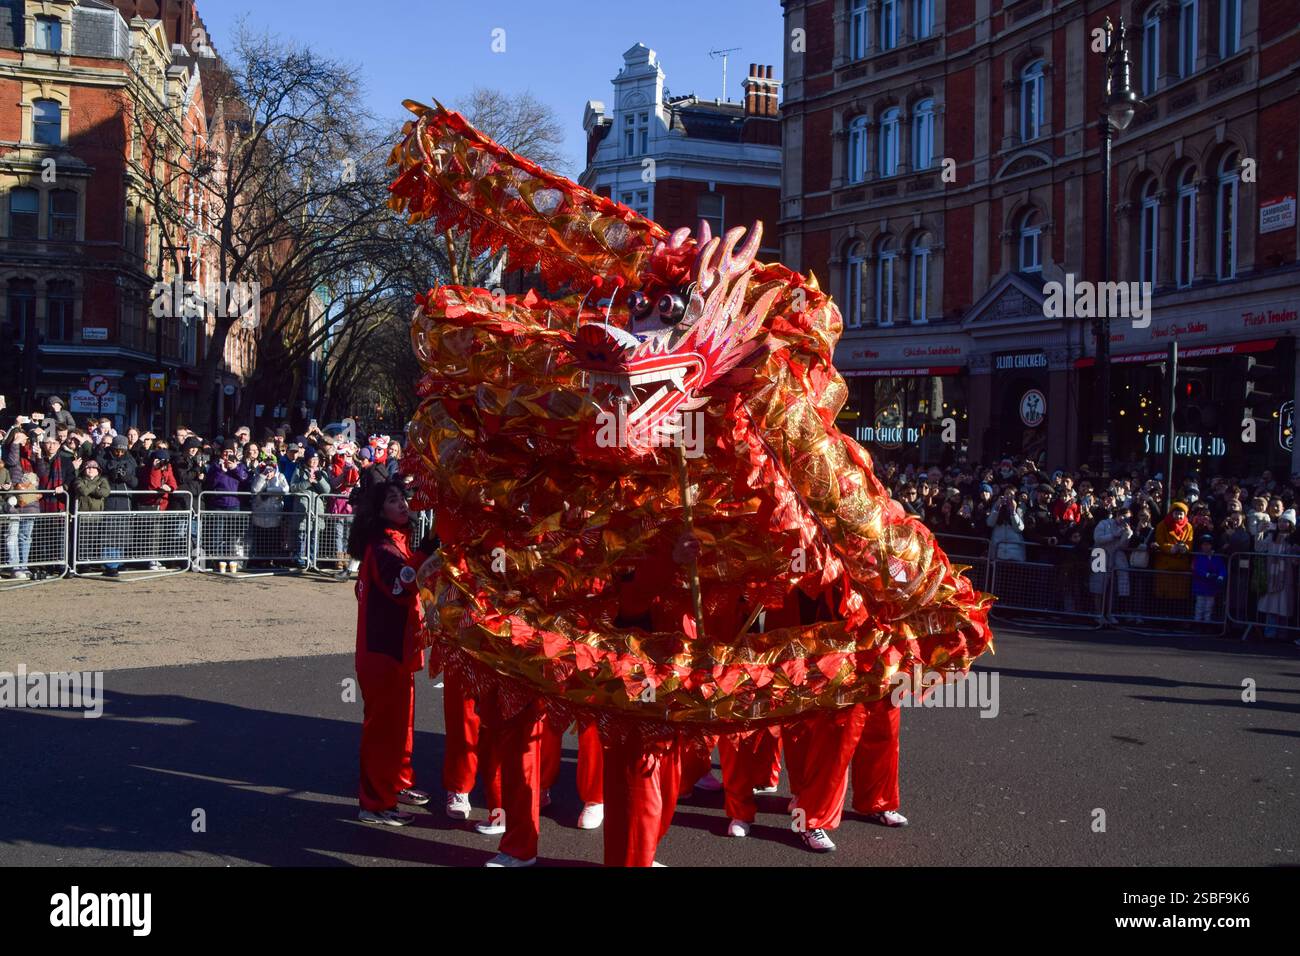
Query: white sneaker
x=819, y=841
x=738, y=828
x=545, y=799
x=412, y=797
x=592, y=816
x=392, y=818
x=155, y=566
x=438, y=685
x=657, y=863
x=488, y=828
x=709, y=783
x=763, y=791
x=222, y=567
x=505, y=859
x=890, y=818
x=457, y=805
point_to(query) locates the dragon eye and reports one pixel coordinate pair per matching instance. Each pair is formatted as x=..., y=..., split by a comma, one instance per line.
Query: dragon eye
x=639, y=304
x=672, y=308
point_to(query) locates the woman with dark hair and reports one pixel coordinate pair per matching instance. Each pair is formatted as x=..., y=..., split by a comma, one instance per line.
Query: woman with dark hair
x=388, y=653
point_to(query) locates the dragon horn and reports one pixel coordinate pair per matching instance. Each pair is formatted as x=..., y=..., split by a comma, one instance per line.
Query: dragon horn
x=703, y=232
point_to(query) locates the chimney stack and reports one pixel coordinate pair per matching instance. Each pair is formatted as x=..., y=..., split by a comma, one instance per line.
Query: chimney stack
x=761, y=92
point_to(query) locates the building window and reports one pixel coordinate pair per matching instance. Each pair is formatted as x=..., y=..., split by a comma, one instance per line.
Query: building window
x=923, y=135
x=638, y=201
x=858, y=30
x=24, y=212
x=49, y=34
x=888, y=24
x=1149, y=235
x=710, y=208
x=1229, y=27
x=1225, y=216
x=886, y=259
x=1151, y=51
x=21, y=306
x=922, y=18
x=857, y=149
x=1187, y=11
x=919, y=277
x=47, y=122
x=1185, y=227
x=890, y=121
x=1031, y=243
x=58, y=311
x=63, y=215
x=854, y=267
x=1032, y=87
x=636, y=134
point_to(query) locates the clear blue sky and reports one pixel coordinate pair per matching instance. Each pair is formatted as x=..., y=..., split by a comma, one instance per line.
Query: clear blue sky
x=564, y=51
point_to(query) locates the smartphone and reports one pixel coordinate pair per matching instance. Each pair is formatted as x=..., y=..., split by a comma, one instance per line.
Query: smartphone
x=38, y=416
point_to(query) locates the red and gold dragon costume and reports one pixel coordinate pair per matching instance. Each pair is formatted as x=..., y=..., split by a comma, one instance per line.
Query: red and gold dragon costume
x=511, y=445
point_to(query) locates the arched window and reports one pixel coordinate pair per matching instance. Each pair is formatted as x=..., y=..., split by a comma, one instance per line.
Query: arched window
x=1151, y=50
x=857, y=158
x=21, y=306
x=853, y=268
x=886, y=260
x=858, y=29
x=919, y=279
x=923, y=135
x=1185, y=229
x=1030, y=242
x=63, y=215
x=890, y=121
x=1225, y=216
x=47, y=122
x=1187, y=19
x=1229, y=27
x=922, y=18
x=1149, y=234
x=24, y=213
x=1032, y=90
x=888, y=32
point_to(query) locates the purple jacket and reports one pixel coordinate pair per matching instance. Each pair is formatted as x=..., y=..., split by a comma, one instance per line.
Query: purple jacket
x=219, y=480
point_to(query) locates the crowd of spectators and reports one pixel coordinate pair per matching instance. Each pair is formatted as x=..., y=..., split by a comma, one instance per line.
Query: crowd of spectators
x=51, y=463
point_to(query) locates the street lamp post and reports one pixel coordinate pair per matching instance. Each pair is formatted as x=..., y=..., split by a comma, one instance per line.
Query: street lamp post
x=1118, y=108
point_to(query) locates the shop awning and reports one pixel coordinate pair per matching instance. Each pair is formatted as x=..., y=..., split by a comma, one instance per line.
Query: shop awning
x=1199, y=351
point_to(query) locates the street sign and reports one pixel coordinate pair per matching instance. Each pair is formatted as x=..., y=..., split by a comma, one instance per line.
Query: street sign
x=97, y=385
x=94, y=334
x=82, y=402
x=157, y=381
x=1033, y=408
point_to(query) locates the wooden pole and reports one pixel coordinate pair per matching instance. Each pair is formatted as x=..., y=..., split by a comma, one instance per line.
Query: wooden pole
x=694, y=569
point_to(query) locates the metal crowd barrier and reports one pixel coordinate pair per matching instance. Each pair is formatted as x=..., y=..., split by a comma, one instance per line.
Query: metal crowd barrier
x=969, y=550
x=330, y=537
x=270, y=530
x=33, y=543
x=1258, y=583
x=145, y=534
x=1059, y=586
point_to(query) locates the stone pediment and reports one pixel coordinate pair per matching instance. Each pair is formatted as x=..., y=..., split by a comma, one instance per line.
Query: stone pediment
x=1015, y=298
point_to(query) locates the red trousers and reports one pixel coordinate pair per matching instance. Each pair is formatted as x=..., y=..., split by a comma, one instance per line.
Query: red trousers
x=591, y=759
x=697, y=760
x=466, y=743
x=388, y=696
x=820, y=750
x=515, y=760
x=640, y=796
x=749, y=762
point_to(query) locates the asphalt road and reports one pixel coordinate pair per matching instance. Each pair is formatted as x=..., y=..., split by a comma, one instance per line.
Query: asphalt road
x=1152, y=731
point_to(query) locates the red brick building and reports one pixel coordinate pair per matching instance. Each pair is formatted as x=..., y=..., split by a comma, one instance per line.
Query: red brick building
x=942, y=164
x=681, y=159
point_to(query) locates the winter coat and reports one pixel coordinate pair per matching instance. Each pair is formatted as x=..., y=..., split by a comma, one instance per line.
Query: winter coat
x=1209, y=572
x=1111, y=535
x=1277, y=577
x=1168, y=536
x=54, y=473
x=389, y=613
x=342, y=476
x=268, y=498
x=1007, y=542
x=92, y=493
x=61, y=417
x=226, y=481
x=157, y=477
x=189, y=476
x=303, y=485
x=122, y=476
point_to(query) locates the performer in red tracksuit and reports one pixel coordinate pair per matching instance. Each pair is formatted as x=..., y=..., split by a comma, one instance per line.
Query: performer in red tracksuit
x=388, y=653
x=590, y=770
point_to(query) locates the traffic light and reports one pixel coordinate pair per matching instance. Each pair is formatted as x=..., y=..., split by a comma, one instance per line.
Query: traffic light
x=1193, y=412
x=1259, y=385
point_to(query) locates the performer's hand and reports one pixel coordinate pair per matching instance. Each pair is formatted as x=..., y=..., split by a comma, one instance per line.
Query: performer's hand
x=687, y=549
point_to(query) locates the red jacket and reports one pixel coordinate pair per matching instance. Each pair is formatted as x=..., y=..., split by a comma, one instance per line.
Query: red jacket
x=389, y=613
x=156, y=479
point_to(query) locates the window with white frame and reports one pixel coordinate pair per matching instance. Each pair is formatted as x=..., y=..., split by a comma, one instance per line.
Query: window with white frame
x=47, y=122
x=886, y=260
x=890, y=121
x=1225, y=216
x=919, y=279
x=1151, y=50
x=636, y=133
x=1229, y=27
x=854, y=265
x=24, y=213
x=1149, y=234
x=1185, y=229
x=923, y=135
x=888, y=32
x=922, y=18
x=711, y=208
x=1032, y=88
x=638, y=201
x=49, y=34
x=858, y=29
x=1187, y=46
x=1030, y=242
x=857, y=158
